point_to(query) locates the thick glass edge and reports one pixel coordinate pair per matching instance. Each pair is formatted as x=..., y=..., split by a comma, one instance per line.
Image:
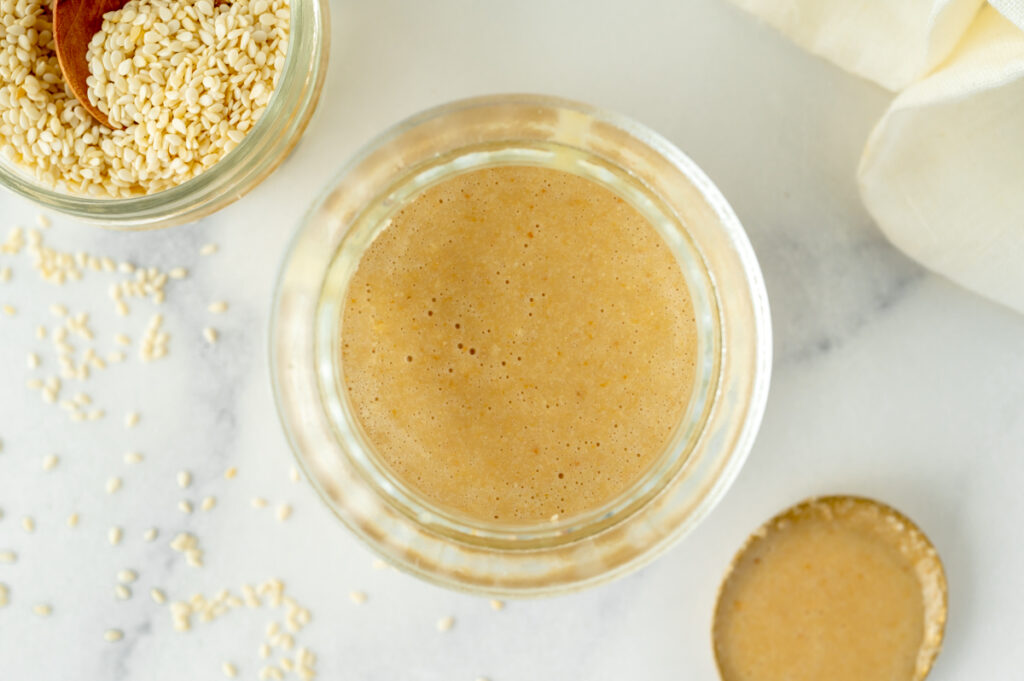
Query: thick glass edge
x=761, y=351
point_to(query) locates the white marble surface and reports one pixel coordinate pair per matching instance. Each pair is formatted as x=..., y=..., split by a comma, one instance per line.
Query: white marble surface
x=888, y=381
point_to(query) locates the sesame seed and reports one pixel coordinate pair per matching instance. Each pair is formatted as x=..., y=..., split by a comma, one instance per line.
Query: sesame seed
x=73, y=520
x=41, y=333
x=211, y=335
x=58, y=310
x=379, y=564
x=150, y=534
x=5, y=594
x=8, y=557
x=208, y=249
x=283, y=512
x=184, y=479
x=115, y=357
x=497, y=605
x=113, y=485
x=218, y=307
x=122, y=339
x=114, y=535
x=185, y=506
x=127, y=576
x=357, y=597
x=121, y=308
x=445, y=623
x=294, y=474
x=158, y=596
x=208, y=503
x=5, y=274
x=42, y=221
x=113, y=635
x=9, y=310
x=42, y=609
x=50, y=462
x=229, y=670
x=178, y=273
x=28, y=524
x=230, y=473
x=122, y=592
x=131, y=419
x=264, y=651
x=32, y=360
x=259, y=502
x=133, y=458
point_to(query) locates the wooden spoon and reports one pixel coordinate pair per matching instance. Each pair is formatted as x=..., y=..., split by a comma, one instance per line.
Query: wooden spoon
x=75, y=22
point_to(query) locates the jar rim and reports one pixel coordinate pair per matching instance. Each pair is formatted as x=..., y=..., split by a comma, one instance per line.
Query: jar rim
x=496, y=567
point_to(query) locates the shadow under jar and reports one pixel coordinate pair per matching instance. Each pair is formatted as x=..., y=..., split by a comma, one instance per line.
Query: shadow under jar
x=709, y=438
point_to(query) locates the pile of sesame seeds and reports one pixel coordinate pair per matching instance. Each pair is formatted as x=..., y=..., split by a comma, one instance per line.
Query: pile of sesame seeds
x=184, y=79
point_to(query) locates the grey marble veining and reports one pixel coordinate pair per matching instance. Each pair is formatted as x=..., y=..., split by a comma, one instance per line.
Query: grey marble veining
x=888, y=381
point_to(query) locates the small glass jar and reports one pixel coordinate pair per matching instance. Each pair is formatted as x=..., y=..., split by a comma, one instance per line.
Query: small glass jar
x=259, y=153
x=711, y=440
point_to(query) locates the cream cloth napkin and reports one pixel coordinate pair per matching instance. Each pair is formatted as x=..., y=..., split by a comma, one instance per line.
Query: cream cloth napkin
x=943, y=170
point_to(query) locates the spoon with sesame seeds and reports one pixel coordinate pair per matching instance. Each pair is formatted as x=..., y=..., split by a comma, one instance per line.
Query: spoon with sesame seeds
x=75, y=22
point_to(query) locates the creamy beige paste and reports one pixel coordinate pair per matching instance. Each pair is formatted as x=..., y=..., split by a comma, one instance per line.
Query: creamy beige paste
x=519, y=342
x=835, y=589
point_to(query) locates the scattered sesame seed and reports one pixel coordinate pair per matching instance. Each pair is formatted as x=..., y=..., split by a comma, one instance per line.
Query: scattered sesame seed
x=28, y=523
x=113, y=485
x=42, y=609
x=259, y=502
x=497, y=605
x=150, y=534
x=41, y=333
x=264, y=651
x=122, y=339
x=127, y=576
x=58, y=310
x=294, y=474
x=114, y=535
x=5, y=594
x=185, y=506
x=9, y=310
x=122, y=592
x=113, y=635
x=50, y=462
x=115, y=357
x=73, y=520
x=42, y=221
x=208, y=503
x=283, y=512
x=178, y=273
x=133, y=457
x=445, y=623
x=184, y=479
x=121, y=308
x=32, y=360
x=5, y=274
x=208, y=249
x=8, y=557
x=158, y=596
x=357, y=597
x=210, y=334
x=379, y=564
x=131, y=419
x=218, y=307
x=230, y=473
x=229, y=670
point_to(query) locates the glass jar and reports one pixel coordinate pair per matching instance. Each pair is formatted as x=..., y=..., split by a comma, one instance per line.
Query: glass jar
x=709, y=444
x=259, y=153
